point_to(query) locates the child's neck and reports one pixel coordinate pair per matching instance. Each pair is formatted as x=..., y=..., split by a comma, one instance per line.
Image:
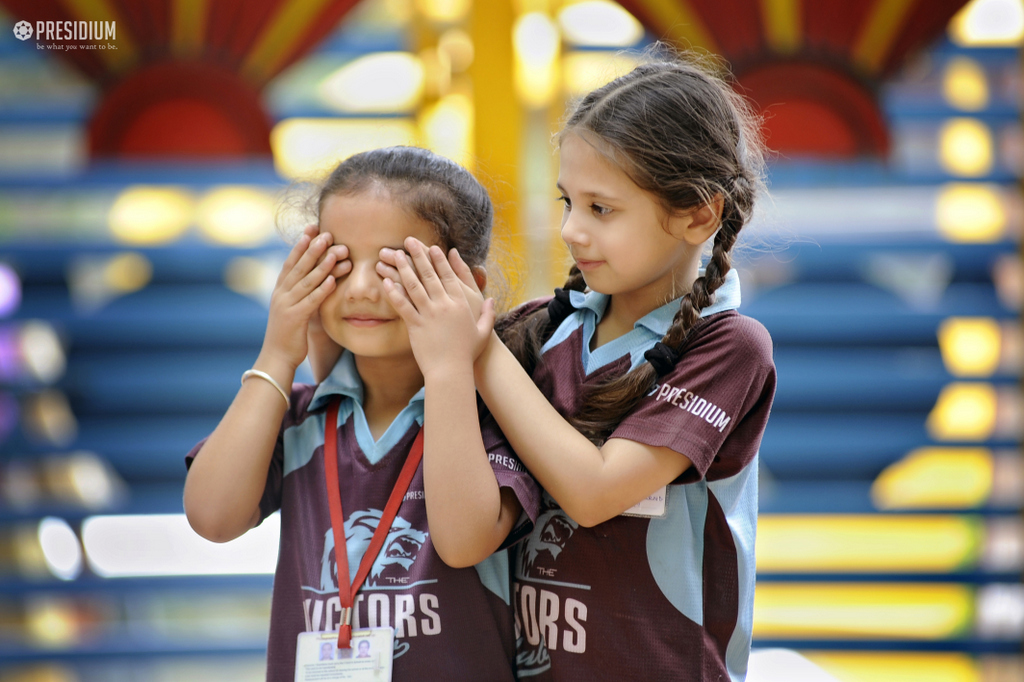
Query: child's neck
x=388, y=386
x=624, y=309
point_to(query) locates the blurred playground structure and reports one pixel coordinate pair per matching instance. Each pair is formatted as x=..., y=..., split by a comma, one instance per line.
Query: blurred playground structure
x=146, y=147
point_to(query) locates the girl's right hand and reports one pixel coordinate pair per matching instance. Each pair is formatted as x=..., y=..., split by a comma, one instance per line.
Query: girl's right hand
x=306, y=279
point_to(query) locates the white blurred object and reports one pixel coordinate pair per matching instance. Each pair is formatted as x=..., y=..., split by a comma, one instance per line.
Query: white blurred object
x=784, y=665
x=122, y=546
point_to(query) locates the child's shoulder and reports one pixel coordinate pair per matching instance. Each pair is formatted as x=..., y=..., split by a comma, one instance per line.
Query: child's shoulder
x=521, y=312
x=734, y=333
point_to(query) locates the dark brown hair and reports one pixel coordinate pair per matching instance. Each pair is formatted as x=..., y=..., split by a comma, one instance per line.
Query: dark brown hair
x=682, y=134
x=430, y=186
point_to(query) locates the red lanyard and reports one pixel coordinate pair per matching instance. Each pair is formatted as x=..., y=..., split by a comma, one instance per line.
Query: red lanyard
x=338, y=518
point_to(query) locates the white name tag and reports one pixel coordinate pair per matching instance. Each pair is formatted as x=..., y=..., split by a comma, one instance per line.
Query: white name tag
x=652, y=507
x=318, y=658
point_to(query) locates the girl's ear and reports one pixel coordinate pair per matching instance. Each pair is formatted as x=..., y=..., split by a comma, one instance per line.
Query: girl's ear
x=480, y=277
x=697, y=226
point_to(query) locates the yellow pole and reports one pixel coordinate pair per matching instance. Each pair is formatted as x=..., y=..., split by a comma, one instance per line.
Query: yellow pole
x=498, y=132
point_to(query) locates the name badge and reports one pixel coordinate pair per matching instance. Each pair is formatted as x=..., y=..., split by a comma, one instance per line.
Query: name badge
x=652, y=507
x=318, y=658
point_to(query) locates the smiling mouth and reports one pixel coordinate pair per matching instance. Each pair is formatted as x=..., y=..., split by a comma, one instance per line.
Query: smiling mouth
x=584, y=264
x=366, y=321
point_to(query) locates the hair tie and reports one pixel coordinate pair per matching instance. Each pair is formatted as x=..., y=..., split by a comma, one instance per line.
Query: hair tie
x=662, y=358
x=559, y=307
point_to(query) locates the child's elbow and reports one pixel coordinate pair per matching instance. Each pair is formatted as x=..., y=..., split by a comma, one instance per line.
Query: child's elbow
x=460, y=554
x=209, y=526
x=588, y=514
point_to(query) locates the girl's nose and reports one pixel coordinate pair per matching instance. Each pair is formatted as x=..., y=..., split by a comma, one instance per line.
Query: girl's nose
x=363, y=282
x=572, y=233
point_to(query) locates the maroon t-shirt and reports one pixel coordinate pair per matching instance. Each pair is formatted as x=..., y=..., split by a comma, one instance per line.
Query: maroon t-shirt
x=450, y=624
x=666, y=598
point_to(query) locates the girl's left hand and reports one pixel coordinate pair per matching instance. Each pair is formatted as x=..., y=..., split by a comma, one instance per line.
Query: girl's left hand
x=444, y=330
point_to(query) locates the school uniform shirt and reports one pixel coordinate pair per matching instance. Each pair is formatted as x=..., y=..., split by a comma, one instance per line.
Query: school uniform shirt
x=666, y=598
x=451, y=624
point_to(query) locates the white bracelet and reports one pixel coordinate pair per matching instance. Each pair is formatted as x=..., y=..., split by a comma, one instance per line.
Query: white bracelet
x=263, y=375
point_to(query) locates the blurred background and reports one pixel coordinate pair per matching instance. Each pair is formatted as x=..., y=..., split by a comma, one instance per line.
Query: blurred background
x=145, y=151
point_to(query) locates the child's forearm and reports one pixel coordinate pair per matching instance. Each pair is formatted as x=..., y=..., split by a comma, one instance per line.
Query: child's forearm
x=227, y=477
x=469, y=515
x=592, y=484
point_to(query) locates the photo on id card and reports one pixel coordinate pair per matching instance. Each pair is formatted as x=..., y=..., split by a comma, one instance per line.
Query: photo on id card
x=318, y=658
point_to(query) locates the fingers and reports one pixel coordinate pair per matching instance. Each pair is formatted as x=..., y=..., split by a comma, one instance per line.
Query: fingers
x=485, y=323
x=343, y=265
x=410, y=281
x=462, y=270
x=318, y=274
x=445, y=274
x=399, y=299
x=424, y=267
x=387, y=256
x=387, y=271
x=308, y=260
x=317, y=296
x=293, y=257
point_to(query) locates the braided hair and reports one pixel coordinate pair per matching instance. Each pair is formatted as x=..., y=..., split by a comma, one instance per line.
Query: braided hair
x=682, y=134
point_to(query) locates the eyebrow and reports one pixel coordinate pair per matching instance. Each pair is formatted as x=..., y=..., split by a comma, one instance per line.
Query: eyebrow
x=592, y=195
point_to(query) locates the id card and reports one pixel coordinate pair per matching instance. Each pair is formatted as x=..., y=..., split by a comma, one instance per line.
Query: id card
x=318, y=658
x=652, y=507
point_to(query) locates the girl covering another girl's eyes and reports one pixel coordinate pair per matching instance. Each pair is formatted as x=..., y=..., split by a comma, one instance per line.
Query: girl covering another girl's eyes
x=637, y=395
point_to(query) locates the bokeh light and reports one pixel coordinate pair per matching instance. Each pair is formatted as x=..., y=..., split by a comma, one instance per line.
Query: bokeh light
x=308, y=147
x=10, y=290
x=965, y=147
x=151, y=215
x=860, y=610
x=964, y=84
x=383, y=82
x=236, y=216
x=970, y=213
x=536, y=43
x=988, y=23
x=964, y=412
x=970, y=346
x=447, y=128
x=795, y=543
x=164, y=545
x=936, y=478
x=96, y=280
x=599, y=23
x=61, y=548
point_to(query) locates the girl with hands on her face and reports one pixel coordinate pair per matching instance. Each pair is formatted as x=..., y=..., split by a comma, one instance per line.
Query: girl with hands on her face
x=423, y=540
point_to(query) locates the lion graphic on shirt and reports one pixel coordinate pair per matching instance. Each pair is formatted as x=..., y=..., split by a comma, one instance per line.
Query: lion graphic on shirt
x=555, y=531
x=401, y=547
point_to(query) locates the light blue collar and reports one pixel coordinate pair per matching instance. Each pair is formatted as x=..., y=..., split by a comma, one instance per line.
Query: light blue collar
x=344, y=380
x=646, y=331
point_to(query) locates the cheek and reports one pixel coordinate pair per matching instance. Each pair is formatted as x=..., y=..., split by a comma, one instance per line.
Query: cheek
x=333, y=297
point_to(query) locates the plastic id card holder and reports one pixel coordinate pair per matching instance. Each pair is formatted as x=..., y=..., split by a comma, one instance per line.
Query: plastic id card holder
x=318, y=658
x=654, y=506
